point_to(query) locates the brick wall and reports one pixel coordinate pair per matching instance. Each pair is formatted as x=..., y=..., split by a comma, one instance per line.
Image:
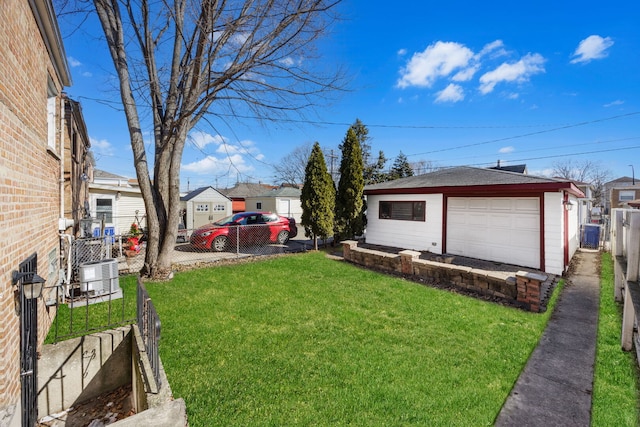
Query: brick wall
x=29, y=173
x=523, y=289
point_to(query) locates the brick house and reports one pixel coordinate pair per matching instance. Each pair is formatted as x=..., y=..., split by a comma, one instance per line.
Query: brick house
x=77, y=168
x=36, y=164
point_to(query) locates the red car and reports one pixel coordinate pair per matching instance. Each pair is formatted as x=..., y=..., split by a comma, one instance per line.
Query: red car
x=244, y=228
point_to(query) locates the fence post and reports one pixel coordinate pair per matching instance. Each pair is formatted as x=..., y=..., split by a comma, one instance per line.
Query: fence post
x=631, y=278
x=617, y=240
x=628, y=317
x=618, y=232
x=633, y=249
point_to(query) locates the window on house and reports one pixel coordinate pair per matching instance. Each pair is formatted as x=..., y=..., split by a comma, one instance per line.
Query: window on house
x=51, y=115
x=626, y=196
x=219, y=208
x=258, y=205
x=104, y=209
x=202, y=207
x=404, y=211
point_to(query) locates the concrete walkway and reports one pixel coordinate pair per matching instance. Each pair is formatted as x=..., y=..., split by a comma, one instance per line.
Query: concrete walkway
x=556, y=385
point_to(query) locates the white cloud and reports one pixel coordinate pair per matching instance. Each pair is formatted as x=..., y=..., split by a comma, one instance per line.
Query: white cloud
x=452, y=93
x=513, y=95
x=202, y=139
x=506, y=150
x=593, y=47
x=86, y=74
x=402, y=52
x=519, y=72
x=614, y=103
x=73, y=62
x=466, y=74
x=101, y=146
x=495, y=48
x=437, y=60
x=218, y=166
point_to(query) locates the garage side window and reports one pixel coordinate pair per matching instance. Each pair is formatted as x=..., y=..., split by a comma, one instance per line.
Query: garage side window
x=404, y=211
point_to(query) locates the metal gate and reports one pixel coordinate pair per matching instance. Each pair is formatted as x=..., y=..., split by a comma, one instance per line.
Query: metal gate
x=28, y=347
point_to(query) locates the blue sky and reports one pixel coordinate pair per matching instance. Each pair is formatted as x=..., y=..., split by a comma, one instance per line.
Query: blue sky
x=450, y=83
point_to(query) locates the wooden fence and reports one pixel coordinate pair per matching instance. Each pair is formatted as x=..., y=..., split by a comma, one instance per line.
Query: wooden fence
x=625, y=241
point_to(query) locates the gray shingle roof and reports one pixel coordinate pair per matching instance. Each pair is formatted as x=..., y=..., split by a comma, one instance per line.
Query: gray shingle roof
x=462, y=176
x=282, y=192
x=245, y=189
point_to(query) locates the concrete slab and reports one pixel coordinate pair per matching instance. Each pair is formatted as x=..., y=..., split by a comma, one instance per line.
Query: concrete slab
x=555, y=387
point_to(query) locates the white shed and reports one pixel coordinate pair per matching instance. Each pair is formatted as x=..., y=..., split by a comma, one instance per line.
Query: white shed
x=204, y=206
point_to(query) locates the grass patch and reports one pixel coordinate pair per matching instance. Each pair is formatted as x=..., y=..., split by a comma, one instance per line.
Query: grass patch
x=95, y=317
x=615, y=389
x=305, y=340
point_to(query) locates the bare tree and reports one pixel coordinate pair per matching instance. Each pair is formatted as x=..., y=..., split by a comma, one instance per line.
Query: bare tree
x=291, y=169
x=180, y=61
x=586, y=171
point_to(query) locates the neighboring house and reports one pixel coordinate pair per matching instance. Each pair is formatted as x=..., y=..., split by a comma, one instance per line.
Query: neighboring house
x=77, y=169
x=586, y=211
x=284, y=201
x=480, y=213
x=115, y=202
x=241, y=191
x=33, y=74
x=204, y=206
x=512, y=168
x=624, y=196
x=619, y=183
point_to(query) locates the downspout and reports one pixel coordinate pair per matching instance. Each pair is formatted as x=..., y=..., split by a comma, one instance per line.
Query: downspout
x=61, y=157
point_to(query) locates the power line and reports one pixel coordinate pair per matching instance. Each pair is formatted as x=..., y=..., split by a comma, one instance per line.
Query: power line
x=526, y=134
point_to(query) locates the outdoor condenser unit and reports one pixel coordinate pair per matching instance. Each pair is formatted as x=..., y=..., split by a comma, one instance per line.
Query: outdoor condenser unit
x=99, y=277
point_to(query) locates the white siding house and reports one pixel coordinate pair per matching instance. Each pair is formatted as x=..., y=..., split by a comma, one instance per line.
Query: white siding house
x=204, y=206
x=114, y=200
x=487, y=214
x=284, y=201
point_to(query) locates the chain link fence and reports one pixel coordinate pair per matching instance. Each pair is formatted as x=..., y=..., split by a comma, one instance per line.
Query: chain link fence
x=191, y=247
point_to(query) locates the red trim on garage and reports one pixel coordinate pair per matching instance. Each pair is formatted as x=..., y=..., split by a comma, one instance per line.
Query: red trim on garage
x=566, y=230
x=445, y=201
x=486, y=190
x=542, y=241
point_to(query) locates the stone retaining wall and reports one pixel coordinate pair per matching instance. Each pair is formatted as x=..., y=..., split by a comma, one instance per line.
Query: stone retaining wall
x=523, y=290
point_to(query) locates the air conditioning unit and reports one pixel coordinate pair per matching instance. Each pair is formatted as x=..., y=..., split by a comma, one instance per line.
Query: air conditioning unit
x=99, y=277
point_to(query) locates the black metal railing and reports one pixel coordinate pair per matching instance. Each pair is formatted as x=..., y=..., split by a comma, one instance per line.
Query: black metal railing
x=149, y=325
x=28, y=347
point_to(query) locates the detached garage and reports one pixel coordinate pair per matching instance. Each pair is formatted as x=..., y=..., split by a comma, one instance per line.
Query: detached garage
x=479, y=213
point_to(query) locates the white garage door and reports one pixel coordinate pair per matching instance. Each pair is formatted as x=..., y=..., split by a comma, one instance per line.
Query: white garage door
x=503, y=229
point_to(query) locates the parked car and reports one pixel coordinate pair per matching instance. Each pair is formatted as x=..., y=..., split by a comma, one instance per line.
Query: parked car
x=182, y=234
x=244, y=228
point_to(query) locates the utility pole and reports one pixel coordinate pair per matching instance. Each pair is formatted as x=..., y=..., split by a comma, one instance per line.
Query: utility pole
x=332, y=157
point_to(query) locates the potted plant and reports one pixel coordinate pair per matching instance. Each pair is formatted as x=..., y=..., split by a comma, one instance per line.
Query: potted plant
x=133, y=241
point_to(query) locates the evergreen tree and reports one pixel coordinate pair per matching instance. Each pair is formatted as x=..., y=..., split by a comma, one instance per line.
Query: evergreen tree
x=401, y=168
x=349, y=218
x=317, y=198
x=374, y=172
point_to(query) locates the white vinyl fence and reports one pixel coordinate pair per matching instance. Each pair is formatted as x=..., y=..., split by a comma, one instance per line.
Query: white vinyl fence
x=625, y=240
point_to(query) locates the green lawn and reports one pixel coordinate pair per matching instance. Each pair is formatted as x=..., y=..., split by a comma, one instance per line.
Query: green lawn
x=615, y=390
x=306, y=340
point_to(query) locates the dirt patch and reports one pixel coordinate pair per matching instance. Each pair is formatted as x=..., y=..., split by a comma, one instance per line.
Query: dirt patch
x=100, y=411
